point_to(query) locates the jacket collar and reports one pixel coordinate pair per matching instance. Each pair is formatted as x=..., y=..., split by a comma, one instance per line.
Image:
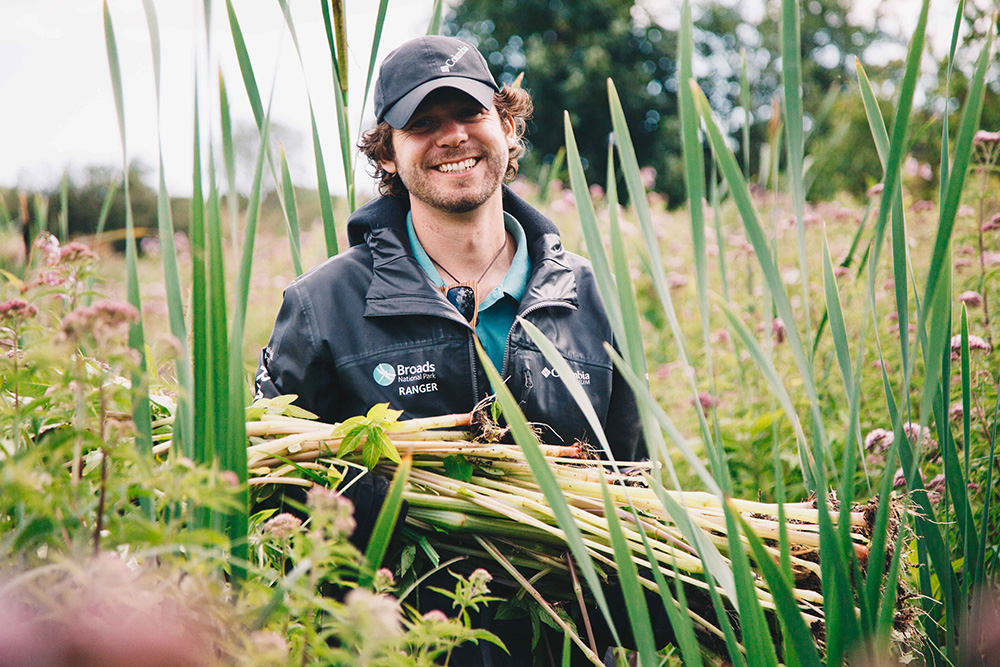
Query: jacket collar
x=399, y=286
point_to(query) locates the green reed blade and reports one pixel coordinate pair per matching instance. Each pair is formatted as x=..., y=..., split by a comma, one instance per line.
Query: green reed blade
x=623, y=279
x=753, y=625
x=229, y=159
x=217, y=326
x=775, y=384
x=747, y=104
x=200, y=333
x=340, y=32
x=64, y=208
x=242, y=295
x=109, y=199
x=971, y=112
x=979, y=563
x=291, y=208
x=340, y=102
x=968, y=550
x=780, y=586
x=762, y=248
x=694, y=177
x=944, y=173
x=141, y=412
x=525, y=438
x=628, y=576
x=322, y=183
x=714, y=566
x=791, y=79
x=883, y=631
x=246, y=69
x=434, y=27
x=378, y=545
x=638, y=199
x=675, y=605
x=184, y=426
x=253, y=94
x=376, y=41
x=643, y=397
x=591, y=233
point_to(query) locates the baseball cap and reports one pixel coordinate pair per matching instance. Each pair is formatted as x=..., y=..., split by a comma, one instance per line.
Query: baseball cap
x=424, y=64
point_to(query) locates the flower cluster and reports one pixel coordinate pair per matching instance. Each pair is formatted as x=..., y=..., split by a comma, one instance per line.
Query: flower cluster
x=103, y=320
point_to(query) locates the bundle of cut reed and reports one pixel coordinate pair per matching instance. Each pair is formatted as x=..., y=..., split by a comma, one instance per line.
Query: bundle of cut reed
x=468, y=492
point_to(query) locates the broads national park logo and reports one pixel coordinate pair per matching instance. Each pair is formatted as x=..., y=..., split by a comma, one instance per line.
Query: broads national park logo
x=418, y=379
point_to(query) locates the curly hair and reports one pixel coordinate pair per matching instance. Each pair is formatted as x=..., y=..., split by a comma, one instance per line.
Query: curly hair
x=513, y=104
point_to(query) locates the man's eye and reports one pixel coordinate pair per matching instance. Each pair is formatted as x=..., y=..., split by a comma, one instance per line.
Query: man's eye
x=418, y=125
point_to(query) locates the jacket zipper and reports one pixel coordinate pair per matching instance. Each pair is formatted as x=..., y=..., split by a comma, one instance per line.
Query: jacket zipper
x=524, y=313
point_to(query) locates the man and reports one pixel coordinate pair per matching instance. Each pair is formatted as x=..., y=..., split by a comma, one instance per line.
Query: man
x=447, y=254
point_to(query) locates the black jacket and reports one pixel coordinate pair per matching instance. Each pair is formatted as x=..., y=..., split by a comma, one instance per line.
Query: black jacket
x=368, y=326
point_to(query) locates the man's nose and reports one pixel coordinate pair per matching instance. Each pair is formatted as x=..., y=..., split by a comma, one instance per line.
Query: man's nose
x=453, y=132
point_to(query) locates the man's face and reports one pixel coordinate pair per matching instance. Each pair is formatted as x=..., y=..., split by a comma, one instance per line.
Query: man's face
x=452, y=155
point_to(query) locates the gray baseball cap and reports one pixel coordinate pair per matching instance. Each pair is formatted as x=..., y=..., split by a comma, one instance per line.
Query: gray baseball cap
x=424, y=64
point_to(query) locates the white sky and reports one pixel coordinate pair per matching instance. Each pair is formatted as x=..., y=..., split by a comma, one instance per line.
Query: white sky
x=57, y=109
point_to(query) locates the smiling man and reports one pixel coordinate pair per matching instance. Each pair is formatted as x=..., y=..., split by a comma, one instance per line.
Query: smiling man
x=445, y=256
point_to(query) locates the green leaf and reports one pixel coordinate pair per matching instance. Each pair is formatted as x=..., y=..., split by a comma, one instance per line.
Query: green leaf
x=386, y=521
x=458, y=467
x=632, y=591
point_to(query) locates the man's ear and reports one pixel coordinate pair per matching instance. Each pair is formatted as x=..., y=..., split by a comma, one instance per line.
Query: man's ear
x=508, y=127
x=388, y=166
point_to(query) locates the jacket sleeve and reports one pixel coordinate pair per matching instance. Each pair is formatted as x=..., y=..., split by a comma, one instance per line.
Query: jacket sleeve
x=296, y=360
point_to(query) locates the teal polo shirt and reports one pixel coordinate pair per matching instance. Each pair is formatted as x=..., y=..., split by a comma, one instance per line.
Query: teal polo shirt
x=498, y=310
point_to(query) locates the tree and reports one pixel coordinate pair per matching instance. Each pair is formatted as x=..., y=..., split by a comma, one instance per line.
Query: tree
x=567, y=49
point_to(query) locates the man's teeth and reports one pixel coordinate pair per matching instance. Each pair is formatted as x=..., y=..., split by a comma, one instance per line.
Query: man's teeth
x=451, y=167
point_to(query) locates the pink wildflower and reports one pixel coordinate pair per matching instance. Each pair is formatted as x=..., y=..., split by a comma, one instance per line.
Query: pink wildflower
x=966, y=211
x=283, y=525
x=77, y=252
x=596, y=192
x=17, y=309
x=875, y=190
x=971, y=299
x=899, y=479
x=706, y=400
x=841, y=271
x=922, y=205
x=49, y=245
x=985, y=137
x=648, y=177
x=435, y=616
x=993, y=224
x=878, y=440
x=937, y=484
x=975, y=343
x=676, y=280
x=778, y=330
x=104, y=319
x=963, y=262
x=721, y=337
x=341, y=510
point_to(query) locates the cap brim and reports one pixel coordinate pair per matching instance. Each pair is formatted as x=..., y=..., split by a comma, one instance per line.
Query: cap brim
x=398, y=115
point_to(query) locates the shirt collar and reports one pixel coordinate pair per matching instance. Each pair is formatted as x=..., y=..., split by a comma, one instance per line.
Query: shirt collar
x=515, y=281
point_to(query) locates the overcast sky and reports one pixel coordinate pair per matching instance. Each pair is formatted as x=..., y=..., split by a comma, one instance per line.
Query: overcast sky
x=57, y=109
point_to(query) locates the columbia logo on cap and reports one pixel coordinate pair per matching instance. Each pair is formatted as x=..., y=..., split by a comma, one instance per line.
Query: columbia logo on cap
x=453, y=60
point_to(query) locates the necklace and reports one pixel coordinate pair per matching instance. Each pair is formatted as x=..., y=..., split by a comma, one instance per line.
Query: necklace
x=485, y=271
